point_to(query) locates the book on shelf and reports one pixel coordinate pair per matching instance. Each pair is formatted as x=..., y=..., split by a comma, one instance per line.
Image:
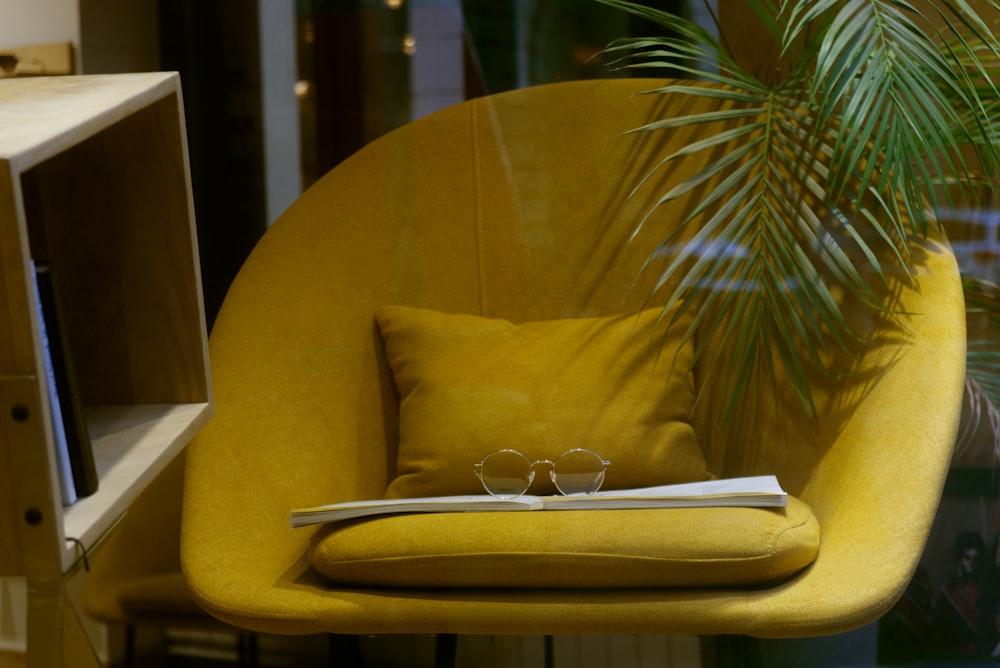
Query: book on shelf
x=69, y=422
x=67, y=488
x=752, y=491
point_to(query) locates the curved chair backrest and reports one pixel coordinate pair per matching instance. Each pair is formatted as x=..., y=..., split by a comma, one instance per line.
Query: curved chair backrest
x=517, y=206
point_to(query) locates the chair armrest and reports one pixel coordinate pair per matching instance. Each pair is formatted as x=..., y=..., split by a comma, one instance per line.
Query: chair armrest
x=876, y=489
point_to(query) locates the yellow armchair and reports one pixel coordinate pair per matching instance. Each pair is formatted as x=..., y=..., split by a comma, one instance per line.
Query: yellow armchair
x=516, y=206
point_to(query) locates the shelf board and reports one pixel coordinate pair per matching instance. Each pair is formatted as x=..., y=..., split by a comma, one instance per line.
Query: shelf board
x=40, y=117
x=132, y=444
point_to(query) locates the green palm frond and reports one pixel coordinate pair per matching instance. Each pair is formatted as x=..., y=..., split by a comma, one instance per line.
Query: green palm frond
x=884, y=65
x=826, y=175
x=980, y=416
x=982, y=301
x=982, y=304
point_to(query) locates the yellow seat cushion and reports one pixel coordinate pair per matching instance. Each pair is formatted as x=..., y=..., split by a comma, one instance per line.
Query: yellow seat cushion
x=621, y=386
x=675, y=547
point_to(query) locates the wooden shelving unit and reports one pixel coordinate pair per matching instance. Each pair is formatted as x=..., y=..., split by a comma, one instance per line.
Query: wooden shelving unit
x=94, y=175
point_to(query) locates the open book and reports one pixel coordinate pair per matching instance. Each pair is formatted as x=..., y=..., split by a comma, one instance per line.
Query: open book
x=756, y=491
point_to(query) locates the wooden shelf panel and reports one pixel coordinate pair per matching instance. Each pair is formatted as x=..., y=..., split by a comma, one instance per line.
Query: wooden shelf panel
x=41, y=117
x=132, y=445
x=113, y=216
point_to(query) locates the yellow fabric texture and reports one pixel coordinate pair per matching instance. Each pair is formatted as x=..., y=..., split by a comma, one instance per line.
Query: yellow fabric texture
x=518, y=206
x=686, y=547
x=472, y=385
x=135, y=576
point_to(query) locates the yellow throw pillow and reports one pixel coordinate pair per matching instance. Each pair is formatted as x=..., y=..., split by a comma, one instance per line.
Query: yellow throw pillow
x=620, y=386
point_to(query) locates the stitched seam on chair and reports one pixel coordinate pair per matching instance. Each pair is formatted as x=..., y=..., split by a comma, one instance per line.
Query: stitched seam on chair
x=699, y=573
x=553, y=557
x=478, y=206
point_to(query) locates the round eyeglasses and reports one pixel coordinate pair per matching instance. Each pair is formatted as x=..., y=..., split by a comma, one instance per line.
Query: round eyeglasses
x=508, y=474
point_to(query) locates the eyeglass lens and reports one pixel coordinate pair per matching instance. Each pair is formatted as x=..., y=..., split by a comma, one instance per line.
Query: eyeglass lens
x=578, y=472
x=508, y=473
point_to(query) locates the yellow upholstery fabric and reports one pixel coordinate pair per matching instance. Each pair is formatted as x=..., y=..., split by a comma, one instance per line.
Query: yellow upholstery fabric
x=472, y=385
x=686, y=547
x=516, y=206
x=135, y=576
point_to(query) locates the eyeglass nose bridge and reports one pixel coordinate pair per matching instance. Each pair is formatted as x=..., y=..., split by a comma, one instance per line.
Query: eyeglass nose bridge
x=545, y=462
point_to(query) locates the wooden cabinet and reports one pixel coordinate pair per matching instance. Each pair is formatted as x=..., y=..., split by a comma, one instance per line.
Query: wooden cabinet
x=94, y=176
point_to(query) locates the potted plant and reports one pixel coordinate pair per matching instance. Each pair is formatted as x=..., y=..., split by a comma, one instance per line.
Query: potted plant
x=884, y=112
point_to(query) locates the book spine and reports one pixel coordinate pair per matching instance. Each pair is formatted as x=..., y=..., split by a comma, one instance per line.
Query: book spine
x=83, y=466
x=67, y=487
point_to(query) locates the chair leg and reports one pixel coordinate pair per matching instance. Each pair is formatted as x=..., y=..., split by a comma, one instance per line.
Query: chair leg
x=446, y=650
x=248, y=649
x=345, y=651
x=550, y=652
x=734, y=651
x=130, y=646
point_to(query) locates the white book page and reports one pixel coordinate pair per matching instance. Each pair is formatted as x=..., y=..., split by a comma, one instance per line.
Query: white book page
x=766, y=484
